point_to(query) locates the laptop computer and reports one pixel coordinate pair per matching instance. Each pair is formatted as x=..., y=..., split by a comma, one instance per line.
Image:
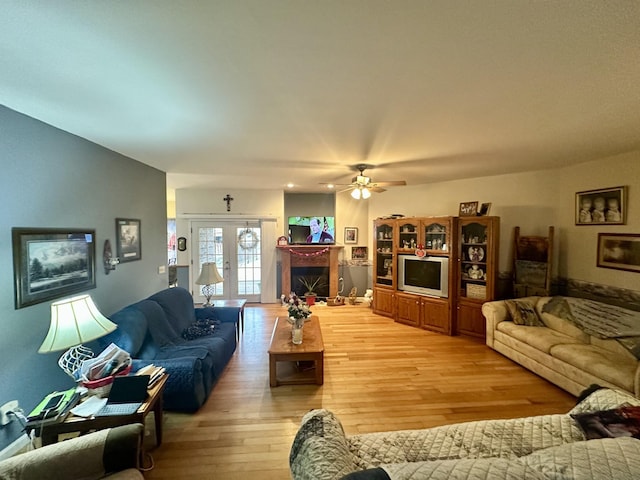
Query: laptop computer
x=126, y=396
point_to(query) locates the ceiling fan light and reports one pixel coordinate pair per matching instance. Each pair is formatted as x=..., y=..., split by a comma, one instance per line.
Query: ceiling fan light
x=366, y=193
x=355, y=193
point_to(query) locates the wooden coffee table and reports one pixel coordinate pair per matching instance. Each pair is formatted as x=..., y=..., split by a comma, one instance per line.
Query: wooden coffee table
x=284, y=356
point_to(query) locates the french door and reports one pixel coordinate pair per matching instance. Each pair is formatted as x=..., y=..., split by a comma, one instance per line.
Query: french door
x=235, y=248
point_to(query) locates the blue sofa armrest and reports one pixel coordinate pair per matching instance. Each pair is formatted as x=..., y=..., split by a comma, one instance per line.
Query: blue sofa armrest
x=223, y=314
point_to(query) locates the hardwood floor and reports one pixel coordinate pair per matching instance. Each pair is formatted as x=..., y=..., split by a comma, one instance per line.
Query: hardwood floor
x=379, y=375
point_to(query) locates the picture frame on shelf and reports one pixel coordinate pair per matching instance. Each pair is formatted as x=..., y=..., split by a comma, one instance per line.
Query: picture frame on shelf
x=350, y=234
x=128, y=239
x=606, y=206
x=468, y=209
x=359, y=253
x=50, y=263
x=620, y=251
x=484, y=209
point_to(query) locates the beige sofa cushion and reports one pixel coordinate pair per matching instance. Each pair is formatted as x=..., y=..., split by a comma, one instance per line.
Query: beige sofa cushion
x=542, y=338
x=613, y=346
x=559, y=324
x=617, y=369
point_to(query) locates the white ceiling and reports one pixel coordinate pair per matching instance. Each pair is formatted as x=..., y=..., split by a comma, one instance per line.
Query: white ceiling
x=258, y=93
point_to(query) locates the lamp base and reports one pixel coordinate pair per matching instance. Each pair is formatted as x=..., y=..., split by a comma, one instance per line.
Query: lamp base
x=71, y=360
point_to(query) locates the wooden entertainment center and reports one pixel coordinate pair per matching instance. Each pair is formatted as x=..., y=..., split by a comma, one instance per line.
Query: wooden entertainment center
x=470, y=245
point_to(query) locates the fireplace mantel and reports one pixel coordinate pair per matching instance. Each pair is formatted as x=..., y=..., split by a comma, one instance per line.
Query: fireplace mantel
x=310, y=256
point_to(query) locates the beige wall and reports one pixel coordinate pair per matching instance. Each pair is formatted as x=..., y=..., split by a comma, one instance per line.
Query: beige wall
x=533, y=201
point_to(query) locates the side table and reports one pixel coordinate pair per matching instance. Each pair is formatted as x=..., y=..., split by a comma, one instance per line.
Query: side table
x=50, y=433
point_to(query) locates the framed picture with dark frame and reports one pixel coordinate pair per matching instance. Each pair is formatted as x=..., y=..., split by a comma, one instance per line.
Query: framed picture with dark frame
x=620, y=251
x=128, y=241
x=468, y=209
x=50, y=263
x=359, y=253
x=350, y=234
x=606, y=206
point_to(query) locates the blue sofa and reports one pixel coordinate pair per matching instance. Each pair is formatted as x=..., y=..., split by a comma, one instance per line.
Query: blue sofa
x=151, y=331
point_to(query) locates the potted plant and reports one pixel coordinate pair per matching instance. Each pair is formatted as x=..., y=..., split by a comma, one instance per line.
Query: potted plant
x=311, y=283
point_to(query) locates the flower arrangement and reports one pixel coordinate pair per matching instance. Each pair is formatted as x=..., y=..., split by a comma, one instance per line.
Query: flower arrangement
x=298, y=310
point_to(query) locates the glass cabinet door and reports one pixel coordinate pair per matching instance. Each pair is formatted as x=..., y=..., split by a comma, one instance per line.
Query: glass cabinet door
x=473, y=256
x=384, y=254
x=408, y=235
x=436, y=237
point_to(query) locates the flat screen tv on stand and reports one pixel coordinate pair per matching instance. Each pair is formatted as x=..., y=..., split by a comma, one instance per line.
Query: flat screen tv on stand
x=319, y=230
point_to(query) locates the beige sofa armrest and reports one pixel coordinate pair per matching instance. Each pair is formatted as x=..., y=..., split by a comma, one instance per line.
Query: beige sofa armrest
x=496, y=312
x=89, y=456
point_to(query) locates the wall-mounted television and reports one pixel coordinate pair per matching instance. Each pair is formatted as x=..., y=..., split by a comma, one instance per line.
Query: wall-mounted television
x=424, y=275
x=312, y=230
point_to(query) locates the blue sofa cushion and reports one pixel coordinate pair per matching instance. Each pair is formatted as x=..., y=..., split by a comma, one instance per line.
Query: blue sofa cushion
x=178, y=306
x=161, y=330
x=131, y=331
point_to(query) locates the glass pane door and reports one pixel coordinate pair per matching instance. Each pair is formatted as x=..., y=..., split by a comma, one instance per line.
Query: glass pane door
x=236, y=250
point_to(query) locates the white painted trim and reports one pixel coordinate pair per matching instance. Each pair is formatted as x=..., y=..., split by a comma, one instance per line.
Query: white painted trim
x=18, y=444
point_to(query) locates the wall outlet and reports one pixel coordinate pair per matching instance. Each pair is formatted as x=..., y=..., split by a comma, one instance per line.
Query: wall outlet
x=162, y=269
x=11, y=406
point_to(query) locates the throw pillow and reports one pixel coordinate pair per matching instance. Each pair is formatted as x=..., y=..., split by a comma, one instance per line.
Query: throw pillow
x=523, y=312
x=619, y=422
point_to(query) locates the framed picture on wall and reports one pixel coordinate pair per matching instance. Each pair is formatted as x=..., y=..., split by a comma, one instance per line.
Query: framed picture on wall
x=350, y=234
x=606, y=206
x=128, y=242
x=620, y=251
x=359, y=253
x=50, y=263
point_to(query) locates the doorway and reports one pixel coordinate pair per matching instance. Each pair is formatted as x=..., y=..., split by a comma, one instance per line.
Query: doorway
x=235, y=248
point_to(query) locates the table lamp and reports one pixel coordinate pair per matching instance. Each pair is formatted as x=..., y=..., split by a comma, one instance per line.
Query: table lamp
x=209, y=276
x=74, y=321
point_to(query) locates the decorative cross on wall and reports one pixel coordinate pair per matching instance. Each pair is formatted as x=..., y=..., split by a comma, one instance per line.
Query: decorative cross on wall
x=228, y=199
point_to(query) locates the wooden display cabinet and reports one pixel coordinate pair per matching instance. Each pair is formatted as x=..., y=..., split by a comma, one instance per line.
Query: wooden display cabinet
x=478, y=241
x=384, y=301
x=424, y=312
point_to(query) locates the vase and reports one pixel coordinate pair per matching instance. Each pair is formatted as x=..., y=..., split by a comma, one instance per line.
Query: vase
x=296, y=330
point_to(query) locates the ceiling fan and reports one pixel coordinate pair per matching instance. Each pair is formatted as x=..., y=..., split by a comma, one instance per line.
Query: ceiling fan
x=362, y=186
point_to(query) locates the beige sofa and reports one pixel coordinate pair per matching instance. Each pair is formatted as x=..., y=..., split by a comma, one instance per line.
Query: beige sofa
x=558, y=350
x=545, y=447
x=112, y=453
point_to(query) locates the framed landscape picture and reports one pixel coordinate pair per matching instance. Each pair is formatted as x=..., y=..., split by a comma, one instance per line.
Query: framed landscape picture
x=619, y=250
x=606, y=206
x=128, y=243
x=50, y=263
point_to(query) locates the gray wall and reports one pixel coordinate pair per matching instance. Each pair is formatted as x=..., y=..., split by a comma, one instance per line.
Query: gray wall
x=51, y=178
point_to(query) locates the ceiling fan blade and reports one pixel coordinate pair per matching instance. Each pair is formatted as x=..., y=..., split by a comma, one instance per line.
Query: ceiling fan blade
x=350, y=187
x=377, y=189
x=390, y=183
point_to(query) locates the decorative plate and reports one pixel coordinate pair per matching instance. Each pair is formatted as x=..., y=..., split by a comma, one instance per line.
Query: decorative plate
x=476, y=254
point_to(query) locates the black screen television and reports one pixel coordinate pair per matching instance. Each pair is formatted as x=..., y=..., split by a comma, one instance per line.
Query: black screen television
x=300, y=230
x=424, y=275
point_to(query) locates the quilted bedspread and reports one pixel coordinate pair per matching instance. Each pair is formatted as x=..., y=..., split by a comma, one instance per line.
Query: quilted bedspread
x=610, y=458
x=548, y=446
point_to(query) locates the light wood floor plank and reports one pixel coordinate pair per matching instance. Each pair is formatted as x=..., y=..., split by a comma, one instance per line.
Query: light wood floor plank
x=379, y=375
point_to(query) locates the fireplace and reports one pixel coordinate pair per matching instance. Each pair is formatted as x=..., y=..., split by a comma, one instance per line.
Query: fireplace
x=310, y=274
x=309, y=261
